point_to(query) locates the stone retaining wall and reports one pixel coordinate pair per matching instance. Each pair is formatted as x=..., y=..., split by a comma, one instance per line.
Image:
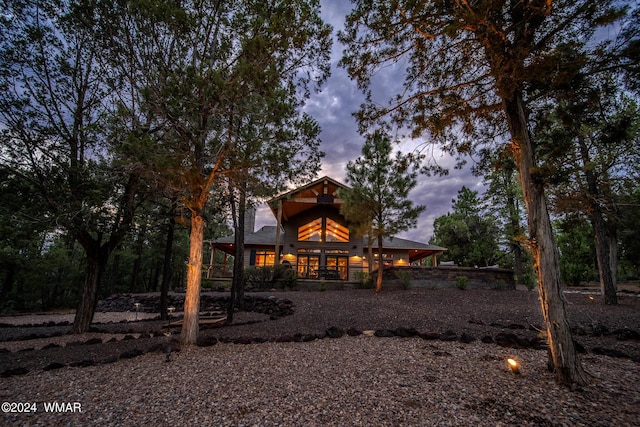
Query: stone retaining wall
x=445, y=277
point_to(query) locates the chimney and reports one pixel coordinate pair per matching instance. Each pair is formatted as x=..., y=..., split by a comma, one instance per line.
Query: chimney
x=249, y=220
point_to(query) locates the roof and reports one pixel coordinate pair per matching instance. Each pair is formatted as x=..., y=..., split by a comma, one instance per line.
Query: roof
x=265, y=236
x=322, y=191
x=416, y=250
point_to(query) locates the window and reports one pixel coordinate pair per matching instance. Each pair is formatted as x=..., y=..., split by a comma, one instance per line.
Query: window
x=315, y=230
x=311, y=232
x=336, y=232
x=265, y=258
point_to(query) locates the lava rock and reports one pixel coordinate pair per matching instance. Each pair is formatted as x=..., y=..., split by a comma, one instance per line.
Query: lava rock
x=431, y=335
x=335, y=332
x=14, y=371
x=54, y=365
x=130, y=354
x=82, y=363
x=353, y=332
x=406, y=332
x=467, y=338
x=448, y=336
x=384, y=333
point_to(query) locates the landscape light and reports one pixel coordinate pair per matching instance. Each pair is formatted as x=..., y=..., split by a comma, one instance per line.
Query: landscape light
x=137, y=307
x=170, y=310
x=514, y=365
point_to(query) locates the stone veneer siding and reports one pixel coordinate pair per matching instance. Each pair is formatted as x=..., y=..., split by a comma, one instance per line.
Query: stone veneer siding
x=445, y=277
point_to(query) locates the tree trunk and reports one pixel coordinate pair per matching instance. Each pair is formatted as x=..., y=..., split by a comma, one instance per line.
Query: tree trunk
x=607, y=285
x=166, y=267
x=544, y=251
x=190, y=327
x=514, y=221
x=380, y=265
x=612, y=237
x=96, y=263
x=237, y=281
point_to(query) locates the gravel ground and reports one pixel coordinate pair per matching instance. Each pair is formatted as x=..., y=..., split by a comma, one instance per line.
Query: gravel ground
x=352, y=380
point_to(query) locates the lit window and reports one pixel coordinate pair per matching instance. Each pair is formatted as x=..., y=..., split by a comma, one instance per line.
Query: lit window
x=265, y=258
x=336, y=232
x=311, y=232
x=314, y=230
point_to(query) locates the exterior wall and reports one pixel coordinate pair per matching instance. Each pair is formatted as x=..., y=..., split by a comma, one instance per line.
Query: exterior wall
x=291, y=247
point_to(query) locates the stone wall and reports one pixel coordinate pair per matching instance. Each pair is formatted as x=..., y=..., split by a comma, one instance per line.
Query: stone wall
x=445, y=277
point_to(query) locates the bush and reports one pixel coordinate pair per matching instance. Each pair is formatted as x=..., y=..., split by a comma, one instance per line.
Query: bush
x=405, y=278
x=290, y=280
x=263, y=278
x=462, y=282
x=364, y=280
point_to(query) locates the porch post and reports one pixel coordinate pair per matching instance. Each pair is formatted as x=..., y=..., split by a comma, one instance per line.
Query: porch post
x=211, y=266
x=434, y=262
x=279, y=222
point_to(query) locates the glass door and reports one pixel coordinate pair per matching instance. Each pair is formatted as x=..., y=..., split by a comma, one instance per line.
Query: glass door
x=308, y=265
x=338, y=264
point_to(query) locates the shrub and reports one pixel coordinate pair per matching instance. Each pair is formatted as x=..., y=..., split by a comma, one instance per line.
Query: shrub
x=462, y=282
x=364, y=280
x=405, y=278
x=290, y=280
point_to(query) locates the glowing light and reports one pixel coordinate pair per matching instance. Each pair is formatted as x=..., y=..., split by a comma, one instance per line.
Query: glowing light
x=514, y=365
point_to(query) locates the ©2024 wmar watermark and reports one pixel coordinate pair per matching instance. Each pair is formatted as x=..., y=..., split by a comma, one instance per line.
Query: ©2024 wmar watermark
x=34, y=407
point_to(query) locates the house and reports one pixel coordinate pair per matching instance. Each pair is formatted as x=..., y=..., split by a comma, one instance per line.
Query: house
x=312, y=237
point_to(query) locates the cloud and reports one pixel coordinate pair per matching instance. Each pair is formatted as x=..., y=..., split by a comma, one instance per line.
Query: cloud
x=333, y=108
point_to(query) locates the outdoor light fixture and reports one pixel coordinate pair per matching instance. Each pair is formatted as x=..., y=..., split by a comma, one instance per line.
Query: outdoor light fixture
x=137, y=307
x=514, y=365
x=170, y=310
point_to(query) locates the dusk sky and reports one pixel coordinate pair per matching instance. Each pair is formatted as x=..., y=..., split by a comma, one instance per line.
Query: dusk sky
x=333, y=108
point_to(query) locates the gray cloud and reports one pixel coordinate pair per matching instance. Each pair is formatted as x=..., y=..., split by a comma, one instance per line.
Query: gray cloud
x=333, y=108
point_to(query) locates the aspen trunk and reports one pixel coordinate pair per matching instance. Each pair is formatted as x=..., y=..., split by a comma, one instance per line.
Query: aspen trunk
x=190, y=327
x=544, y=251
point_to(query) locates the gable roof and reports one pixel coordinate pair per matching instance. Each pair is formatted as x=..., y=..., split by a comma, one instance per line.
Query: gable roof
x=321, y=191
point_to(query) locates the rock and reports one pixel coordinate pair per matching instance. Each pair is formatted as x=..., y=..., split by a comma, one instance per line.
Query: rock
x=467, y=338
x=156, y=348
x=516, y=326
x=93, y=341
x=506, y=339
x=130, y=354
x=14, y=371
x=308, y=337
x=448, y=336
x=50, y=345
x=487, y=339
x=109, y=359
x=54, y=365
x=429, y=335
x=406, y=332
x=384, y=333
x=243, y=340
x=335, y=332
x=82, y=363
x=353, y=332
x=626, y=334
x=610, y=352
